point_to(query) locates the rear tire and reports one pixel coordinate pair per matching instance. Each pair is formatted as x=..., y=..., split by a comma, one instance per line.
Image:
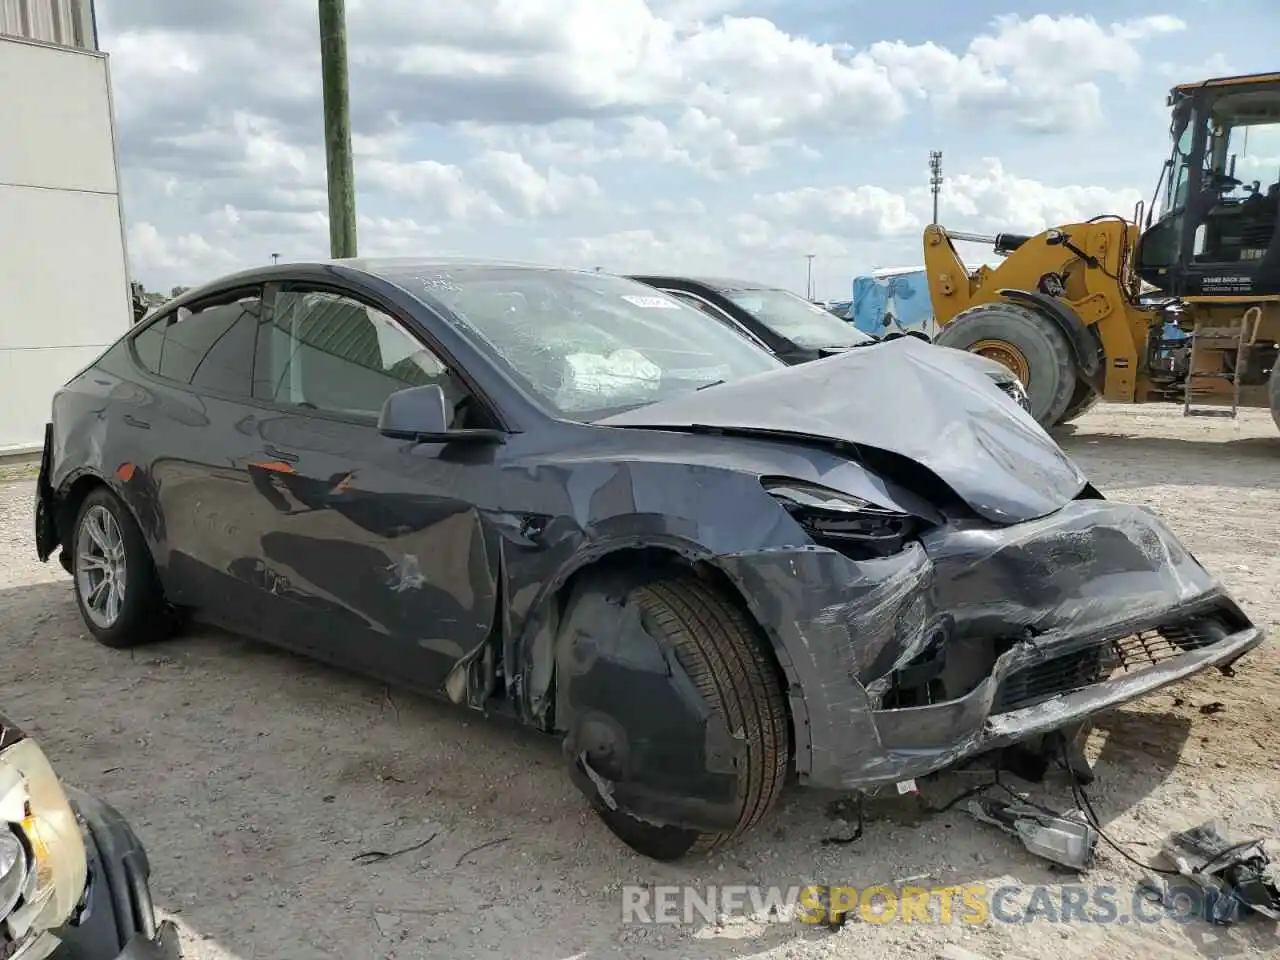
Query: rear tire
x=1083, y=400
x=1051, y=370
x=109, y=558
x=725, y=658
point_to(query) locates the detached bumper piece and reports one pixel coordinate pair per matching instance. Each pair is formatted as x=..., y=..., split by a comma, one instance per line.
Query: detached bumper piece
x=1234, y=876
x=117, y=920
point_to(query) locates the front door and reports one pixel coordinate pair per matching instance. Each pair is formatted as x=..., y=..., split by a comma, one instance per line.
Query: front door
x=371, y=548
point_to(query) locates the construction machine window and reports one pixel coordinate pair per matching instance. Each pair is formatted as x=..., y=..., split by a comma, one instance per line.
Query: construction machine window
x=1240, y=179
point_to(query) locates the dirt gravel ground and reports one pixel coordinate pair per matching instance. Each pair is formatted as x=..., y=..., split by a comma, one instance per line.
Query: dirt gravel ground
x=255, y=777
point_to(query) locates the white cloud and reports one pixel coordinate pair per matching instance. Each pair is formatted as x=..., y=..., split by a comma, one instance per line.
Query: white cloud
x=440, y=189
x=992, y=197
x=735, y=91
x=529, y=193
x=1040, y=73
x=848, y=228
x=188, y=253
x=864, y=210
x=571, y=127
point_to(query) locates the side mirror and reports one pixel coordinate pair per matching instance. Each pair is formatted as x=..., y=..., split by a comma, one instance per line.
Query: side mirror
x=422, y=415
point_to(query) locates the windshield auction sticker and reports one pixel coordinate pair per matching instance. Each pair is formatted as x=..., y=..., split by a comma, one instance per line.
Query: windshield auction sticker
x=652, y=303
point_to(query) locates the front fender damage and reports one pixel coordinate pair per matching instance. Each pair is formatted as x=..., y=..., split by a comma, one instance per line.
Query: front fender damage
x=638, y=736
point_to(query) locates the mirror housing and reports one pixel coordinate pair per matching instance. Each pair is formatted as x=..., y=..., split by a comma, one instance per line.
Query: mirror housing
x=422, y=415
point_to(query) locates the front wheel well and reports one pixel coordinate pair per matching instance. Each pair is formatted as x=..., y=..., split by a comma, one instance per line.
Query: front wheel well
x=636, y=566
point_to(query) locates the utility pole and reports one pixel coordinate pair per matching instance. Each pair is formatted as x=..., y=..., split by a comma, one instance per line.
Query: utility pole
x=337, y=128
x=808, y=287
x=275, y=258
x=935, y=178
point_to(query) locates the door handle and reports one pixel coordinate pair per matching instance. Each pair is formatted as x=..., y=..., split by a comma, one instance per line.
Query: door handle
x=133, y=421
x=280, y=455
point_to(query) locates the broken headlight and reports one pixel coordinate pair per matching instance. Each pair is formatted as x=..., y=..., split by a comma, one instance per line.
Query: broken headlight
x=1014, y=389
x=856, y=527
x=43, y=866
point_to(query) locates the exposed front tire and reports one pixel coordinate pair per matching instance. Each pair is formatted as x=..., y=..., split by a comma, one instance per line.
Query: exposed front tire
x=1025, y=342
x=724, y=656
x=1083, y=400
x=116, y=586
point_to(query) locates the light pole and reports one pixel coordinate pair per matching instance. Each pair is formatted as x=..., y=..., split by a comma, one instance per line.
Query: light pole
x=337, y=128
x=275, y=258
x=935, y=179
x=808, y=287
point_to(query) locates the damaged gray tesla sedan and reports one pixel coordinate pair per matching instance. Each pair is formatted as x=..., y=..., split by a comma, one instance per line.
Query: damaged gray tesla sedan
x=569, y=498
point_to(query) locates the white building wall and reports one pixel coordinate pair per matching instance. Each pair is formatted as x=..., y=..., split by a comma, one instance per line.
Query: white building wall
x=64, y=284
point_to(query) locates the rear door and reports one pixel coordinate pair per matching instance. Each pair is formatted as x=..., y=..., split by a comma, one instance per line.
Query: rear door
x=370, y=549
x=190, y=433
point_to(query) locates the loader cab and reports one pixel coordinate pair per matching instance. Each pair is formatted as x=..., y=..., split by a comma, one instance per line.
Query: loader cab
x=1217, y=232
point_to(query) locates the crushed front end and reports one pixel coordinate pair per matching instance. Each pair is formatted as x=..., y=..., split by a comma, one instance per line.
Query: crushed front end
x=973, y=636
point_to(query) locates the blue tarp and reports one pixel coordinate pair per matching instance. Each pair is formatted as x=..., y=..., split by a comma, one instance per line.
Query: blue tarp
x=902, y=298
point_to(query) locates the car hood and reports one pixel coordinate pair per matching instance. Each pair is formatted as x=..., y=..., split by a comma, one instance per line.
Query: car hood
x=996, y=371
x=931, y=405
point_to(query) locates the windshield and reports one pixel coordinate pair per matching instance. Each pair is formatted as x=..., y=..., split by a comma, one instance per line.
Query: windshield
x=588, y=345
x=805, y=324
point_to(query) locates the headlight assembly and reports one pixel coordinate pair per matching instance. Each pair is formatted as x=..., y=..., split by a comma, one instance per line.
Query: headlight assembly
x=13, y=871
x=1015, y=390
x=856, y=527
x=43, y=866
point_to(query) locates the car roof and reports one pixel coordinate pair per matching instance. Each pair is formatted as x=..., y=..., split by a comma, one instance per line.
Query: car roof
x=381, y=265
x=394, y=270
x=715, y=283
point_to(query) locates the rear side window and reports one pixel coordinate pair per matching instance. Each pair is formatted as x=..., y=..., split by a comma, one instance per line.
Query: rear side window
x=209, y=347
x=149, y=343
x=228, y=366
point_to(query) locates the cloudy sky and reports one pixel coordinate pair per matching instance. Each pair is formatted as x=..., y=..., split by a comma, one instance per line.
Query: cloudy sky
x=708, y=135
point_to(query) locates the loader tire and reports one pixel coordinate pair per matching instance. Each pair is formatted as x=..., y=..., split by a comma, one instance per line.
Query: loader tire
x=1026, y=342
x=724, y=655
x=1273, y=392
x=1083, y=400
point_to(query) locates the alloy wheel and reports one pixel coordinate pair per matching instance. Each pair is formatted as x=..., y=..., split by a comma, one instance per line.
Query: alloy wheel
x=100, y=566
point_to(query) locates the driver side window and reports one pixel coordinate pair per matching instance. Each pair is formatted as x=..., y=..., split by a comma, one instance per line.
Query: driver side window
x=329, y=352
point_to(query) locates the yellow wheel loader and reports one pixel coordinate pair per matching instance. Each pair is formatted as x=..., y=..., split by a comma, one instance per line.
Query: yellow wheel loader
x=1184, y=307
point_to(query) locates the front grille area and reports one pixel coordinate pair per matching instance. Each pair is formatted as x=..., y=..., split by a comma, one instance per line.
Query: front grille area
x=1083, y=668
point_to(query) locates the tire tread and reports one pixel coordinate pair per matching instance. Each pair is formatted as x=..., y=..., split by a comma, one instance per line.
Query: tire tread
x=723, y=654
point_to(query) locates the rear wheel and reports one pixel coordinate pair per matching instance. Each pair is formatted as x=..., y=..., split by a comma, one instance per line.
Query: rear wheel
x=1083, y=400
x=116, y=585
x=724, y=656
x=1025, y=342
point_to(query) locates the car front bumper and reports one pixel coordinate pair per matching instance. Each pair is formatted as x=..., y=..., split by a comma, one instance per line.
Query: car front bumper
x=982, y=636
x=118, y=920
